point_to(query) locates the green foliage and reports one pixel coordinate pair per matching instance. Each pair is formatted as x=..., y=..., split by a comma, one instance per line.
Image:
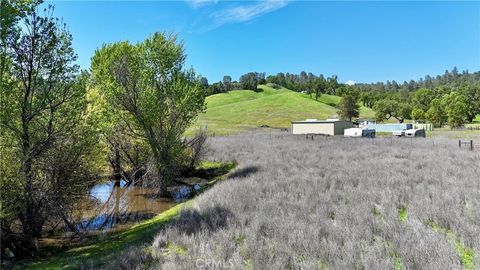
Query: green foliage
x=387, y=108
x=402, y=213
x=456, y=109
x=348, y=107
x=466, y=255
x=472, y=99
x=250, y=81
x=436, y=113
x=147, y=83
x=418, y=114
x=227, y=82
x=274, y=86
x=46, y=126
x=422, y=98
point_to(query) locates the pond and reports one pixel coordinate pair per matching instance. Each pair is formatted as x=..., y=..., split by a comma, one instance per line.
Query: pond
x=109, y=205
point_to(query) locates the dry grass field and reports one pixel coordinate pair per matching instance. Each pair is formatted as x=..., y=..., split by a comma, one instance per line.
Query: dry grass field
x=330, y=203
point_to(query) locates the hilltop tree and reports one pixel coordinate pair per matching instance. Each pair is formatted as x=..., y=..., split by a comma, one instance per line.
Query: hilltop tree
x=249, y=81
x=348, y=107
x=146, y=81
x=227, y=83
x=204, y=82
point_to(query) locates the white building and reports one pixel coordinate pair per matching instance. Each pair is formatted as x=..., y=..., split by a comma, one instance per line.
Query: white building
x=324, y=127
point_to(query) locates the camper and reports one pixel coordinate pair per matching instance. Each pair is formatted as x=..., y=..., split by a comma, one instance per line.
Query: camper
x=359, y=132
x=411, y=133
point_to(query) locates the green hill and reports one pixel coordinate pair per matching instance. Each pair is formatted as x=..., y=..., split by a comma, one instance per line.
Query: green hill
x=241, y=110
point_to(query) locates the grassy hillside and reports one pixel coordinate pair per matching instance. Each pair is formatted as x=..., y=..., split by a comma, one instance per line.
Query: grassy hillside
x=241, y=110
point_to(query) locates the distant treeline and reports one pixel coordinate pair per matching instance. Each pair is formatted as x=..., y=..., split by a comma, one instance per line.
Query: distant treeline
x=452, y=98
x=303, y=82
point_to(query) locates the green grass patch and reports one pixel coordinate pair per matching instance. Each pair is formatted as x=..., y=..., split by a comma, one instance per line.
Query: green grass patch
x=477, y=119
x=176, y=249
x=100, y=252
x=210, y=165
x=397, y=262
x=402, y=213
x=322, y=265
x=241, y=242
x=466, y=255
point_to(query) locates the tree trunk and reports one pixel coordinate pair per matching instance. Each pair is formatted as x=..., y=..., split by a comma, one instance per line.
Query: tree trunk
x=27, y=218
x=163, y=192
x=470, y=117
x=117, y=169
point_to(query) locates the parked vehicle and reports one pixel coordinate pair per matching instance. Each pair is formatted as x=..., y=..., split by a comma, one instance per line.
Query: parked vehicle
x=411, y=133
x=359, y=132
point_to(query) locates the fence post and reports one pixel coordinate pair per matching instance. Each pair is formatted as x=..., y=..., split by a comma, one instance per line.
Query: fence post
x=471, y=145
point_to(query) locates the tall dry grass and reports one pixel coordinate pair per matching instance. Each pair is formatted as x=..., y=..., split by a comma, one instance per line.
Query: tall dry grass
x=332, y=203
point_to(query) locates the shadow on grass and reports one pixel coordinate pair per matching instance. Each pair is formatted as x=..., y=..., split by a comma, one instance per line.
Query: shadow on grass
x=244, y=172
x=191, y=221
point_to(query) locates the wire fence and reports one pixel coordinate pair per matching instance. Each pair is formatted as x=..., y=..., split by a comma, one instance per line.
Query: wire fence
x=432, y=142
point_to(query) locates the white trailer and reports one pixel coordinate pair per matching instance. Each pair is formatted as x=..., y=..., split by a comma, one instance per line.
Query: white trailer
x=359, y=132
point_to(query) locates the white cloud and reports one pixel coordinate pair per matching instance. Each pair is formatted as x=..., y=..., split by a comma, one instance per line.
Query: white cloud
x=350, y=82
x=246, y=13
x=201, y=3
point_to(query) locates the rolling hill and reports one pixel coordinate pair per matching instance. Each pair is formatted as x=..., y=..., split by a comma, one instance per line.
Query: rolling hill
x=241, y=110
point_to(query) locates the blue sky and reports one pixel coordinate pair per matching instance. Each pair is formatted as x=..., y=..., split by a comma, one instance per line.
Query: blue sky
x=359, y=41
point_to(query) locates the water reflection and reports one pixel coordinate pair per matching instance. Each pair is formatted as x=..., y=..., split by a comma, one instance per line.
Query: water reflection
x=111, y=203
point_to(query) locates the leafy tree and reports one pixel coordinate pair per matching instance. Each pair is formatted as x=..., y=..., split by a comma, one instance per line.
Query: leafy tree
x=204, y=83
x=318, y=86
x=418, y=114
x=436, y=113
x=456, y=109
x=45, y=129
x=348, y=107
x=472, y=99
x=146, y=80
x=387, y=108
x=249, y=81
x=216, y=88
x=11, y=11
x=422, y=98
x=227, y=82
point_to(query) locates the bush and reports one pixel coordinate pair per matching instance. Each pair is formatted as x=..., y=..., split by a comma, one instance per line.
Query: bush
x=274, y=86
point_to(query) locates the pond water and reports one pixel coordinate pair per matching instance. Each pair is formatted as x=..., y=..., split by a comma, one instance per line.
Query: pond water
x=109, y=205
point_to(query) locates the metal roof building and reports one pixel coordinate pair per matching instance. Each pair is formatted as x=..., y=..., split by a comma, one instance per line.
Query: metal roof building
x=324, y=127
